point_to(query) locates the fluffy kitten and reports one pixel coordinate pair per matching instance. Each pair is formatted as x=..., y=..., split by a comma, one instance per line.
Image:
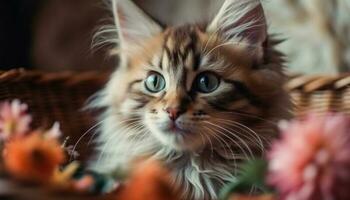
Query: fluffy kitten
x=198, y=98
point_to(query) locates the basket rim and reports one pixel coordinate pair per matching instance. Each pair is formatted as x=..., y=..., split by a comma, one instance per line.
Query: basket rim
x=70, y=78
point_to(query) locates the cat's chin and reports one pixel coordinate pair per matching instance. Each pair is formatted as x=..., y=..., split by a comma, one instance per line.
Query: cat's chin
x=177, y=139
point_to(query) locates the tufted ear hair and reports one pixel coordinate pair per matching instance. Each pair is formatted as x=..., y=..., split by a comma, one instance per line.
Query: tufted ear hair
x=132, y=23
x=243, y=19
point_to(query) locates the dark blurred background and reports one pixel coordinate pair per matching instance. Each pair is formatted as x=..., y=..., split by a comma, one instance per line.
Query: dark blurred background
x=51, y=34
x=16, y=19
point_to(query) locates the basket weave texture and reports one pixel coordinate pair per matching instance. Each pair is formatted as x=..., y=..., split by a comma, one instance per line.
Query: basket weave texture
x=55, y=97
x=61, y=96
x=320, y=93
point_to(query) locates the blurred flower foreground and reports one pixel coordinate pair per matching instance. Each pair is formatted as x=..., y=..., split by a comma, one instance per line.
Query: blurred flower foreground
x=311, y=161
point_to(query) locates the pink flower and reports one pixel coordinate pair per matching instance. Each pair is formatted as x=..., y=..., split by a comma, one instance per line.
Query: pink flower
x=312, y=159
x=54, y=132
x=14, y=119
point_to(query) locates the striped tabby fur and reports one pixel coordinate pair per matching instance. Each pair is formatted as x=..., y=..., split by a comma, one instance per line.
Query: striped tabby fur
x=212, y=131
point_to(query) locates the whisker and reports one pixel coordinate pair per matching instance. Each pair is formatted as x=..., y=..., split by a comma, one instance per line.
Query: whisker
x=204, y=50
x=110, y=139
x=202, y=137
x=220, y=140
x=138, y=134
x=228, y=146
x=89, y=130
x=95, y=133
x=211, y=145
x=249, y=115
x=252, y=131
x=240, y=128
x=83, y=135
x=231, y=139
x=247, y=130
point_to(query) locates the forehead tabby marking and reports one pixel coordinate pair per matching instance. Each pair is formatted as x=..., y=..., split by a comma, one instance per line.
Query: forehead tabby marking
x=181, y=48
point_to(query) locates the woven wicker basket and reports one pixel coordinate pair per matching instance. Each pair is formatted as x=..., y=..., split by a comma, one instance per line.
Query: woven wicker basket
x=55, y=97
x=320, y=94
x=60, y=97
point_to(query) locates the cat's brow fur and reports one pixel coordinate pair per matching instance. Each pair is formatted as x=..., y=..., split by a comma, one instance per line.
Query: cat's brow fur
x=231, y=124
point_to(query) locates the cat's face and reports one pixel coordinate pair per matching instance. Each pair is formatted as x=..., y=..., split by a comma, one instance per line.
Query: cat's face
x=186, y=87
x=191, y=88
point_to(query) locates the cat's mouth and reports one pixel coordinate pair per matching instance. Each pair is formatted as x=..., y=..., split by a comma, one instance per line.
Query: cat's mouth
x=175, y=128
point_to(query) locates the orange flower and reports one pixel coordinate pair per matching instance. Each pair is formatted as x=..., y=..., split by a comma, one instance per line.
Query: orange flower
x=33, y=158
x=252, y=197
x=150, y=181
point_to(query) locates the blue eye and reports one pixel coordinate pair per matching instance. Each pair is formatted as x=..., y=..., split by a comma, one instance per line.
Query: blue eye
x=207, y=82
x=155, y=82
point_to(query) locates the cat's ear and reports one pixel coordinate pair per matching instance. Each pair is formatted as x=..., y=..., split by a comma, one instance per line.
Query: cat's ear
x=133, y=24
x=242, y=19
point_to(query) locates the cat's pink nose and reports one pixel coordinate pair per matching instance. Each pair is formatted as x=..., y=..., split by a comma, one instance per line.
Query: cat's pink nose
x=174, y=113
